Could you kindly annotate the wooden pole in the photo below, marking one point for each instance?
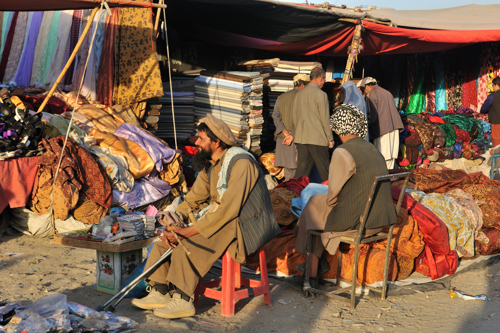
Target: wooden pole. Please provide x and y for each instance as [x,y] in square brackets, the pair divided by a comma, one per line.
[353,52]
[158,18]
[70,60]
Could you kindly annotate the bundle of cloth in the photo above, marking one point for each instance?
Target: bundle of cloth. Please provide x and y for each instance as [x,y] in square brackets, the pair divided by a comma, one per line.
[479,199]
[442,135]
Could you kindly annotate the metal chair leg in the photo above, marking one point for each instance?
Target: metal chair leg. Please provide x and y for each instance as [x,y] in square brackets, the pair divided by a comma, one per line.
[307,284]
[339,265]
[386,264]
[354,276]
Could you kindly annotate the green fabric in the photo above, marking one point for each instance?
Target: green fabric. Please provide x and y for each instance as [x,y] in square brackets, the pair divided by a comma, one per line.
[417,99]
[480,127]
[5,30]
[49,48]
[449,133]
[461,121]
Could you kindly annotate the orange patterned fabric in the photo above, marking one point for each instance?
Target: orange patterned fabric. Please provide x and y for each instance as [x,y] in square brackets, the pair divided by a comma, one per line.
[139,162]
[490,195]
[137,74]
[80,175]
[87,211]
[441,181]
[406,246]
[267,160]
[281,200]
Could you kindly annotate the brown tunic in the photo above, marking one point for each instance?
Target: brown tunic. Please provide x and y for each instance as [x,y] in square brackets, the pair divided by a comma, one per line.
[218,231]
[316,211]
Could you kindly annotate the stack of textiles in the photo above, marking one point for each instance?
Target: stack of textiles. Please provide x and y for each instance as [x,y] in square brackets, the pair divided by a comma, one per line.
[183,112]
[234,97]
[296,66]
[262,66]
[441,136]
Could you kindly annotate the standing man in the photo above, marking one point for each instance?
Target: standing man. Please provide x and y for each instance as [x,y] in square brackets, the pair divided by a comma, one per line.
[311,119]
[389,121]
[491,106]
[286,153]
[239,219]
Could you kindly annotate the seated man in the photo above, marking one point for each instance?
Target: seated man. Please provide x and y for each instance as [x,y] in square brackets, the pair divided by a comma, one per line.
[239,218]
[353,166]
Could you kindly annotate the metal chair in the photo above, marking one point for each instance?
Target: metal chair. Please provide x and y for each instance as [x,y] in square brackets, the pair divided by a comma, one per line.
[493,165]
[360,239]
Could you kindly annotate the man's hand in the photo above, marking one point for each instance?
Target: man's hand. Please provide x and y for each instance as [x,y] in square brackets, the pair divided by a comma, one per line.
[288,140]
[168,238]
[331,144]
[171,218]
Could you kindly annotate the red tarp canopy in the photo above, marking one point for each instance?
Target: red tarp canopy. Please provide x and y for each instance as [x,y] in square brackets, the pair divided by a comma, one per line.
[377,39]
[42,5]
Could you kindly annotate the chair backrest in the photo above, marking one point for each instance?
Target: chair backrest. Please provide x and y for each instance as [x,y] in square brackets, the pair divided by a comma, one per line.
[373,193]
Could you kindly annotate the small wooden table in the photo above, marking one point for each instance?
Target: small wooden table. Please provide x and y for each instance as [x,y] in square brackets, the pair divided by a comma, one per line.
[115,262]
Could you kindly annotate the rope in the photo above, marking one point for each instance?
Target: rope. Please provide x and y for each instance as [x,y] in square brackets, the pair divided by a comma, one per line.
[169,74]
[51,209]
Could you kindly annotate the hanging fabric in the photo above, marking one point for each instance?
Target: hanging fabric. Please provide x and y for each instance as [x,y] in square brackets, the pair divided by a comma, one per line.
[137,74]
[17,46]
[48,49]
[417,98]
[105,78]
[22,77]
[430,85]
[441,103]
[76,25]
[8,46]
[60,49]
[43,35]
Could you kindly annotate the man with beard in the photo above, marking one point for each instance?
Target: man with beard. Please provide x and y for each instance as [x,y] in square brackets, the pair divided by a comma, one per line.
[234,213]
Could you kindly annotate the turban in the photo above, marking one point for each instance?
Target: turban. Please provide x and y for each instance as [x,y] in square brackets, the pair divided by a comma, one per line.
[220,129]
[303,77]
[347,120]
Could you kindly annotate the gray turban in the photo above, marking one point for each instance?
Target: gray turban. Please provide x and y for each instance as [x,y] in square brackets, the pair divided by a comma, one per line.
[348,119]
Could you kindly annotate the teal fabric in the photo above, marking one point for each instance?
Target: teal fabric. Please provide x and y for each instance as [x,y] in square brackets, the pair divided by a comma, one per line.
[49,48]
[7,19]
[441,103]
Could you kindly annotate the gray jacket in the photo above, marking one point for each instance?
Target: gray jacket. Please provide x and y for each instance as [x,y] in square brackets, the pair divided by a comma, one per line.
[311,118]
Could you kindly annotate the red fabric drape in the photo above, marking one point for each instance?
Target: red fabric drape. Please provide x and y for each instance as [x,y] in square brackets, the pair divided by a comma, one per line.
[377,39]
[438,257]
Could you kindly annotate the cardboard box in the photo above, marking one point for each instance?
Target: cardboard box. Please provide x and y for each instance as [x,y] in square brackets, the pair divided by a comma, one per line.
[113,268]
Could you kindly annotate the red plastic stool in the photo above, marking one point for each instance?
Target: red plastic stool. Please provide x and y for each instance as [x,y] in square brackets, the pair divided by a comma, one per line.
[231,284]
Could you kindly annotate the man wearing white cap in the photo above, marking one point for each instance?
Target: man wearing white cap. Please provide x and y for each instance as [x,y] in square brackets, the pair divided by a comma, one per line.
[386,136]
[239,218]
[286,153]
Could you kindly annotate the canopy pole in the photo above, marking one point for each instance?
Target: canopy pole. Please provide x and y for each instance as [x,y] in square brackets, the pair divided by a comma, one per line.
[353,52]
[70,60]
[170,77]
[158,12]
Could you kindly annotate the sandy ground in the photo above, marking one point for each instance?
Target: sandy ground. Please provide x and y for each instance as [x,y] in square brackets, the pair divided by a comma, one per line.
[71,271]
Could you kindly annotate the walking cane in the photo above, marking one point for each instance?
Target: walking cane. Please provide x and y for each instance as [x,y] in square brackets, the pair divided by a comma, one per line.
[124,292]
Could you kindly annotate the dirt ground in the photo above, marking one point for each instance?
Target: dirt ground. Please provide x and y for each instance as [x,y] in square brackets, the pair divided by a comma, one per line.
[71,271]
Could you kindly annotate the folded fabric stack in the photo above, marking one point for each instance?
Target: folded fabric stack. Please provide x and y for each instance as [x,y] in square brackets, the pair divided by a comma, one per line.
[296,66]
[262,66]
[234,97]
[183,99]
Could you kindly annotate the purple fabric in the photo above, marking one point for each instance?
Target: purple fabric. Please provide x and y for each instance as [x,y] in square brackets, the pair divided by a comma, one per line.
[23,74]
[158,152]
[145,191]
